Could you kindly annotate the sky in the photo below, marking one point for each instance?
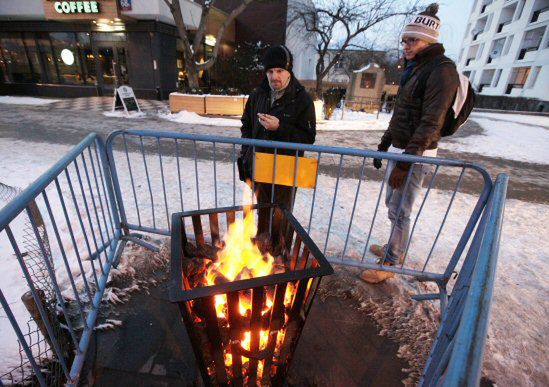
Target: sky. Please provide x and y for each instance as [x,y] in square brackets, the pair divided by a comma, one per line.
[453,15]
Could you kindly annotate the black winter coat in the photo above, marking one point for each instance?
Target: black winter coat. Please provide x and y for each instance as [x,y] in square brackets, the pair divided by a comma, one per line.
[417,119]
[295,110]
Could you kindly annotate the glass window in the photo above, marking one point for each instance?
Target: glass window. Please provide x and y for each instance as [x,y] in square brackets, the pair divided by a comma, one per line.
[181,74]
[508,45]
[33,57]
[533,76]
[46,55]
[65,53]
[18,67]
[496,78]
[106,61]
[519,76]
[86,57]
[368,81]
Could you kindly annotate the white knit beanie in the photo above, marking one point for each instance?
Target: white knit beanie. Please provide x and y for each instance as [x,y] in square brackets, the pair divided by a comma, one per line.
[424,26]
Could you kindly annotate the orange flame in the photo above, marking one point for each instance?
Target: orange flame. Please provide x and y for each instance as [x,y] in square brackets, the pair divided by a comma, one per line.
[240,257]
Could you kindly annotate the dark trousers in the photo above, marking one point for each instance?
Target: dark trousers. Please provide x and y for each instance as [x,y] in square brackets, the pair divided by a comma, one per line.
[283,197]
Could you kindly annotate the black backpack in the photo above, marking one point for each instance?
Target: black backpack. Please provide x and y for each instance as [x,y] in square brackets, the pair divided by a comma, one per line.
[451,123]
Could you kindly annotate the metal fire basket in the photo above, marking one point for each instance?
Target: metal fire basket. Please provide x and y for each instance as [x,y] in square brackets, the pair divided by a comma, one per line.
[217,341]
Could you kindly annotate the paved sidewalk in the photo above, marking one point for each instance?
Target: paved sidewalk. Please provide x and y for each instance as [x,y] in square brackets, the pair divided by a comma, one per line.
[101,104]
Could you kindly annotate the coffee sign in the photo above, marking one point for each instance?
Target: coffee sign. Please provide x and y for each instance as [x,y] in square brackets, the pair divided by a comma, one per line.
[81,10]
[76,6]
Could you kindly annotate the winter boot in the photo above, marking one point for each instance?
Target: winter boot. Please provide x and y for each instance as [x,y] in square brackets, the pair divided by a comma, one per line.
[379,251]
[376,276]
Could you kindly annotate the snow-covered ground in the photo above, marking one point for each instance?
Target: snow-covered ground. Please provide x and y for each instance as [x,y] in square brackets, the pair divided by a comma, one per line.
[518,328]
[26,100]
[510,136]
[351,120]
[186,117]
[123,114]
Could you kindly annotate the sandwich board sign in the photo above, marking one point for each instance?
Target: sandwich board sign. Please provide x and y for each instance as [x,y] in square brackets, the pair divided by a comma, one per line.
[124,98]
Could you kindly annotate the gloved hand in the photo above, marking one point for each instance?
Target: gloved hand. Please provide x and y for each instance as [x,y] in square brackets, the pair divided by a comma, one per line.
[377,163]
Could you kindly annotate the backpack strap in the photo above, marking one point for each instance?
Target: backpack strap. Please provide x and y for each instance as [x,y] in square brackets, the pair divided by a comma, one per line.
[425,72]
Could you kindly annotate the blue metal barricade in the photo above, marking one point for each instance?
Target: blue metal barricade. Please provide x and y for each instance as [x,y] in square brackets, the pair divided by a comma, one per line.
[457,353]
[97,197]
[74,204]
[339,211]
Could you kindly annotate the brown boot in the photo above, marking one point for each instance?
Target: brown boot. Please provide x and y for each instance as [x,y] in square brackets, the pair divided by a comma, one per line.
[376,276]
[379,251]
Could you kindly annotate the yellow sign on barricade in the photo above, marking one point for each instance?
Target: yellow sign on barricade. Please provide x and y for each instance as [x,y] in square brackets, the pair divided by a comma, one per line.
[285,168]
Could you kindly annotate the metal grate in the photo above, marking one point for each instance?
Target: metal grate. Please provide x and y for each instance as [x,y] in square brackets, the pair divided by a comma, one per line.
[273,332]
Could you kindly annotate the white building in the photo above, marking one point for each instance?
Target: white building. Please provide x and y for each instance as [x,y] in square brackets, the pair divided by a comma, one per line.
[506,48]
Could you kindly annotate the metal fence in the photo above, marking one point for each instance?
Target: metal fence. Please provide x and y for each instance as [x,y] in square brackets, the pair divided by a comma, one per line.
[73,201]
[158,173]
[457,353]
[98,198]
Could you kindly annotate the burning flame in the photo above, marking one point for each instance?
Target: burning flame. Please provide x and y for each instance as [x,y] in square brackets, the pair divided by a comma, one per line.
[240,258]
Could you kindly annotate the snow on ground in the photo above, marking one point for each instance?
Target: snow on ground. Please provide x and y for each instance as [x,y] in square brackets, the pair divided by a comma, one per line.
[123,114]
[186,117]
[518,323]
[26,100]
[354,121]
[518,118]
[512,139]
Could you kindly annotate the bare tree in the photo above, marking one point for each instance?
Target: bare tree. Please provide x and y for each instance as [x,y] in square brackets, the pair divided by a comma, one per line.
[191,49]
[338,24]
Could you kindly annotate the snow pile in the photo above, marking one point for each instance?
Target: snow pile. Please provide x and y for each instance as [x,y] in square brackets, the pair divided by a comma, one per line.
[353,120]
[186,117]
[26,100]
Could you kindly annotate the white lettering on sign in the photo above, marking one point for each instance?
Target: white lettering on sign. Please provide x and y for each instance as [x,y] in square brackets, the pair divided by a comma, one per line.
[76,6]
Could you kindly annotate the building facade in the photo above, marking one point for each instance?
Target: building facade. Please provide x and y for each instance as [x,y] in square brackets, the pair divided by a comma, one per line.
[269,22]
[86,48]
[505,52]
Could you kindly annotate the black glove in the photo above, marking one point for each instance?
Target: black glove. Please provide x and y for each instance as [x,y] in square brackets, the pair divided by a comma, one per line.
[377,163]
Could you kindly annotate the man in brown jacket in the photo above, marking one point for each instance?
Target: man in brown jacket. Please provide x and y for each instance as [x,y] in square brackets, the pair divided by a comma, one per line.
[427,91]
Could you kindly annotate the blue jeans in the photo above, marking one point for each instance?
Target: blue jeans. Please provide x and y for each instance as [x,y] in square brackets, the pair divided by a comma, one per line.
[401,225]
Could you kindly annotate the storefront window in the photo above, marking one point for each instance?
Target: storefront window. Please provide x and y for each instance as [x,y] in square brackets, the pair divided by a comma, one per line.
[106,61]
[15,57]
[33,55]
[65,53]
[181,74]
[123,63]
[46,54]
[87,58]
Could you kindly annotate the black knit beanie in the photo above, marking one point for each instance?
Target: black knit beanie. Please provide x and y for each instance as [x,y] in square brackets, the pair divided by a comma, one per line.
[277,57]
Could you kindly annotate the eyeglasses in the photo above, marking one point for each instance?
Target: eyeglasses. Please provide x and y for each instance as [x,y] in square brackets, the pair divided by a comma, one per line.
[409,41]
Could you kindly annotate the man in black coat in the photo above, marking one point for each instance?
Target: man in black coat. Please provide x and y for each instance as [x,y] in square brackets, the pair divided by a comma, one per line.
[280,109]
